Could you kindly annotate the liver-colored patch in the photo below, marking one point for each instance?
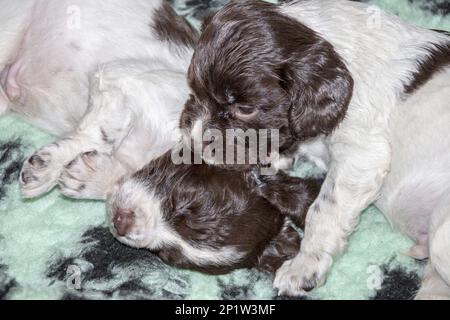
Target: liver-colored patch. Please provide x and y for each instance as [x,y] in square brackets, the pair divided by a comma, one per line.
[171,27]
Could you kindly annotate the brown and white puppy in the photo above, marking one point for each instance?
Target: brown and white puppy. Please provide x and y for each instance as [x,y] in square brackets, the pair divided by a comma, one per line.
[211,219]
[365,95]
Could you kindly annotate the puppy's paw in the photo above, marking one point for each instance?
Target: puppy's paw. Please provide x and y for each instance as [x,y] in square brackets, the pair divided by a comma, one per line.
[88,176]
[40,172]
[302,274]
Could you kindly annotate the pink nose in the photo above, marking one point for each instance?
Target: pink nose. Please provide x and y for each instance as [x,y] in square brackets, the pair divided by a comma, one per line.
[123,221]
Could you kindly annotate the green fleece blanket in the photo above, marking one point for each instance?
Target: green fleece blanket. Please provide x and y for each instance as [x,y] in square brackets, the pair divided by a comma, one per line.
[55,248]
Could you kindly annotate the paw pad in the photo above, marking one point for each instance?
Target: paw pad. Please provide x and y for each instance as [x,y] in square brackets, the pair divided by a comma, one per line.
[36,161]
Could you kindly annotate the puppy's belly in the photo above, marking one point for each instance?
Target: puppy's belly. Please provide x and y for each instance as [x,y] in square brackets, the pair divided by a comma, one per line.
[420,168]
[46,82]
[62,44]
[13,16]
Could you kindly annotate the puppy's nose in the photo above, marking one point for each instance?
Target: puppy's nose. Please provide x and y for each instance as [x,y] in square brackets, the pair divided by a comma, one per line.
[123,221]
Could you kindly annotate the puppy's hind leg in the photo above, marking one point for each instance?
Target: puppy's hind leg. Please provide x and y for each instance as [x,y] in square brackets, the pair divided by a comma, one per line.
[433,286]
[92,174]
[139,104]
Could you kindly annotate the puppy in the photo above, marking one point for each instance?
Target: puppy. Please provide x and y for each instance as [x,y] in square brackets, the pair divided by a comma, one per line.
[103,75]
[211,219]
[360,92]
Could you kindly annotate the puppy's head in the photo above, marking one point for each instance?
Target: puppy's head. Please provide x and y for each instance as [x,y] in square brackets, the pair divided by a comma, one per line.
[256,68]
[201,218]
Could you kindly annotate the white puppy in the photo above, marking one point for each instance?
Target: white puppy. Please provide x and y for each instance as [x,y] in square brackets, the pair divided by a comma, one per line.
[106,76]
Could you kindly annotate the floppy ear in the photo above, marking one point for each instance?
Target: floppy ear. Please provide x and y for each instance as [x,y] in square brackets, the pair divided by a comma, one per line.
[313,75]
[289,195]
[284,247]
[320,88]
[206,20]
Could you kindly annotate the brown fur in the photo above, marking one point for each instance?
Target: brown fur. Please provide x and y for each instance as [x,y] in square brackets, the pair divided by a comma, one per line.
[171,27]
[253,59]
[437,60]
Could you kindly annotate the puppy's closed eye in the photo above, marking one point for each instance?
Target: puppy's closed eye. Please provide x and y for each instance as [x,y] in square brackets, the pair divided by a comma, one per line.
[240,111]
[245,113]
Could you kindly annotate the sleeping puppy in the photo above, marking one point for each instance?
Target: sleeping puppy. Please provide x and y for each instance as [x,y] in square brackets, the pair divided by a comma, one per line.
[211,219]
[104,75]
[360,92]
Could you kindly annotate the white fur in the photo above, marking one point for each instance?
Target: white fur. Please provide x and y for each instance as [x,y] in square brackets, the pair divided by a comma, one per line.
[433,287]
[387,149]
[137,106]
[84,69]
[316,151]
[58,44]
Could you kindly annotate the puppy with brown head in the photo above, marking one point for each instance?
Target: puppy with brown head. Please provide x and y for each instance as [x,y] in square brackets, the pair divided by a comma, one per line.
[256,68]
[367,100]
[210,219]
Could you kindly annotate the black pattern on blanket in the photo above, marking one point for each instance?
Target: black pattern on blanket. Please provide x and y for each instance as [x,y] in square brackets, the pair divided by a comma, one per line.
[73,255]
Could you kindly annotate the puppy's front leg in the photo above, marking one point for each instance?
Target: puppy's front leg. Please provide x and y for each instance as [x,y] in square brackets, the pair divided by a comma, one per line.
[102,130]
[91,176]
[41,171]
[355,178]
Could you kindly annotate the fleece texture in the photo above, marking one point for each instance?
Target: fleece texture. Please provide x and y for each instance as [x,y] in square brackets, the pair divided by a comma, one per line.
[55,248]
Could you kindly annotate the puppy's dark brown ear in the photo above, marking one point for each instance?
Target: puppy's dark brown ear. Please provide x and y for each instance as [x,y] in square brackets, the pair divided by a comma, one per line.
[289,195]
[316,79]
[206,20]
[284,247]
